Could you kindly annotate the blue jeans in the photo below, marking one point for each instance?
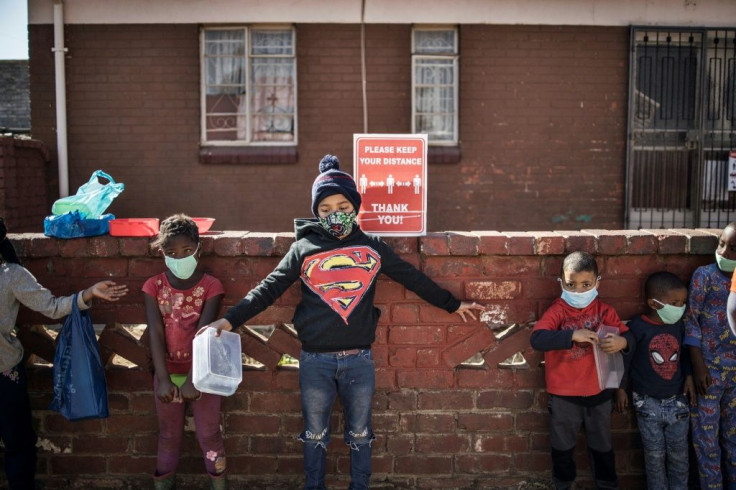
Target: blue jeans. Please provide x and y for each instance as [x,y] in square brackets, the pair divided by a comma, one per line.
[352,378]
[663,425]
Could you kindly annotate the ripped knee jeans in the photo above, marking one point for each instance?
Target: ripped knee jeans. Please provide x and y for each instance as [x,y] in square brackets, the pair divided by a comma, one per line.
[322,378]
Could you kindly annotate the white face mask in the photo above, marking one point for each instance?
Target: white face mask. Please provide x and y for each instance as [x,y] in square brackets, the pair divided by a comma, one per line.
[670,314]
[579,300]
[182,268]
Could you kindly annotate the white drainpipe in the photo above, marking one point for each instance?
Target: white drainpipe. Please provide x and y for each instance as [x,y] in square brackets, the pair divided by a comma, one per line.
[59,52]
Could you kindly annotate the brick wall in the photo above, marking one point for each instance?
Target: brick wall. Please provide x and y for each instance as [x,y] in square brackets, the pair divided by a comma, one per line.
[23,184]
[438,425]
[15,104]
[542,122]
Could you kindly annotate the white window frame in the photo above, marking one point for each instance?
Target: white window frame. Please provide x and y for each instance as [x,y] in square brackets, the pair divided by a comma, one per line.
[248,56]
[455,93]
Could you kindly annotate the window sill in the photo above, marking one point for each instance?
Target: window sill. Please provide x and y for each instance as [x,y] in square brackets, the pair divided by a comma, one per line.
[247,155]
[443,154]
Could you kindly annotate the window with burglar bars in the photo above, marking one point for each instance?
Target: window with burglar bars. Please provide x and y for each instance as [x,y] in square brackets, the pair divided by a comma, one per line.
[682,123]
[435,84]
[248,86]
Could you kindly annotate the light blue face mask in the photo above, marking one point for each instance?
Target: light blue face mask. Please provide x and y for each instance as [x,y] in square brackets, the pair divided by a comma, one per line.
[578,300]
[182,268]
[726,265]
[670,314]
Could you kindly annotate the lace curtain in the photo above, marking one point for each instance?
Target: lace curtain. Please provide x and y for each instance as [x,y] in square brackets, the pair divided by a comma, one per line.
[267,95]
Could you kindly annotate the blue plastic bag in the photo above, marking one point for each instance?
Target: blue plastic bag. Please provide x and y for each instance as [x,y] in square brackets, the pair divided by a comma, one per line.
[80,387]
[92,198]
[73,225]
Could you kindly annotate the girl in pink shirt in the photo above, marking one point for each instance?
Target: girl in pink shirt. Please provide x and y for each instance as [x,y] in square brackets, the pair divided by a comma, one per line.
[178,302]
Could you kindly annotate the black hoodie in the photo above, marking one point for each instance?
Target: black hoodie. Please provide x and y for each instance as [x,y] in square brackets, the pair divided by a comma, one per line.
[336,311]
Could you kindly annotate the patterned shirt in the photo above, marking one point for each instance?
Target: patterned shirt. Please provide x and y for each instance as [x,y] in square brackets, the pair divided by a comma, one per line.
[706,325]
[180,312]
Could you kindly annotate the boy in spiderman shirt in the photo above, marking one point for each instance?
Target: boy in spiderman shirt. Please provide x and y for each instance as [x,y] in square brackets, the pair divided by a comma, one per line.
[336,319]
[566,333]
[661,382]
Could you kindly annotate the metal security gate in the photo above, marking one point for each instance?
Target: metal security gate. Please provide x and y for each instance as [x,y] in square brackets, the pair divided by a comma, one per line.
[682,126]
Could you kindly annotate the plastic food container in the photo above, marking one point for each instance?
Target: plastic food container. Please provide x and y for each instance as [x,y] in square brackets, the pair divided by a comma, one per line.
[217,365]
[134,227]
[204,224]
[610,367]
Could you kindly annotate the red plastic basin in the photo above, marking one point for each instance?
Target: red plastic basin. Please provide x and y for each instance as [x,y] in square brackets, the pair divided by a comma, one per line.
[204,224]
[134,227]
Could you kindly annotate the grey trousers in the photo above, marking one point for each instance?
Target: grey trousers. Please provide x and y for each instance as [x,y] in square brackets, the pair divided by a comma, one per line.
[566,418]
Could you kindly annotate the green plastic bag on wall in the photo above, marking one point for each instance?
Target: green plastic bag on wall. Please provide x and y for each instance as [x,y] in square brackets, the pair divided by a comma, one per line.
[92,198]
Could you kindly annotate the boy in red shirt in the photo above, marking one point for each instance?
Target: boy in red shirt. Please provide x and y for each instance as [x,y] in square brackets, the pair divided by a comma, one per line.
[566,333]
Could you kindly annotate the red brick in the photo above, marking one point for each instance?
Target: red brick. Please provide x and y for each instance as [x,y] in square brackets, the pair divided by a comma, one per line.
[251,423]
[103,246]
[492,243]
[386,379]
[426,378]
[42,246]
[434,244]
[699,242]
[482,463]
[135,247]
[416,335]
[501,443]
[670,242]
[423,465]
[492,290]
[405,357]
[283,341]
[484,378]
[532,421]
[465,348]
[443,443]
[511,266]
[641,242]
[229,244]
[520,243]
[609,242]
[117,340]
[403,245]
[519,400]
[548,243]
[439,400]
[76,247]
[578,241]
[255,244]
[101,444]
[428,358]
[463,243]
[444,267]
[404,313]
[70,464]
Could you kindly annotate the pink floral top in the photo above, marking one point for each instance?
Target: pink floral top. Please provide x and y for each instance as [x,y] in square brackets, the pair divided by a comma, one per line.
[180,312]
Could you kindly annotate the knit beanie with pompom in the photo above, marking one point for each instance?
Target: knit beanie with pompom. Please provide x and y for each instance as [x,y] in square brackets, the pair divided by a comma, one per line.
[331,180]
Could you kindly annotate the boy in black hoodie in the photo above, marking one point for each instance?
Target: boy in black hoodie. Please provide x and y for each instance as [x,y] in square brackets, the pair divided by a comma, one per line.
[336,319]
[662,385]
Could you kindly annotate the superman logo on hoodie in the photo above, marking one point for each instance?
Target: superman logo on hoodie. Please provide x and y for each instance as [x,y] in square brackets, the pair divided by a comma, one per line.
[341,277]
